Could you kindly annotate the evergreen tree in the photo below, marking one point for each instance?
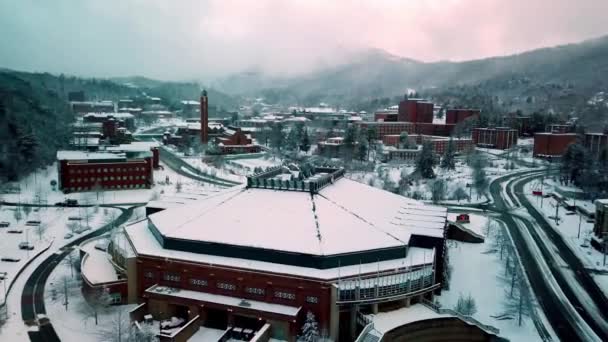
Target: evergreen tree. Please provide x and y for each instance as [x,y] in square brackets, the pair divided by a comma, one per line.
[575,162]
[447,161]
[362,148]
[293,140]
[438,189]
[305,142]
[404,140]
[310,329]
[426,161]
[404,182]
[466,305]
[277,136]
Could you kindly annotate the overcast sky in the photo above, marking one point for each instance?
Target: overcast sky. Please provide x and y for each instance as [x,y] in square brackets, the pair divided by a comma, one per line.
[190,39]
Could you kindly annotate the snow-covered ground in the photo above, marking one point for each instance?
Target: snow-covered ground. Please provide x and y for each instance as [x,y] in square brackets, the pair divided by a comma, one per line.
[208,169]
[246,166]
[38,184]
[77,322]
[476,270]
[54,227]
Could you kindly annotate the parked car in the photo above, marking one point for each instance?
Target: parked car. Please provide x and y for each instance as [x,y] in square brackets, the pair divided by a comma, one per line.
[26,245]
[68,236]
[4,224]
[10,259]
[15,231]
[32,223]
[74,218]
[67,203]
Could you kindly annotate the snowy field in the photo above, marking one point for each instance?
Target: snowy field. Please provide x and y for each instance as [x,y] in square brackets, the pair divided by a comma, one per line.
[36,188]
[477,271]
[246,166]
[55,224]
[207,169]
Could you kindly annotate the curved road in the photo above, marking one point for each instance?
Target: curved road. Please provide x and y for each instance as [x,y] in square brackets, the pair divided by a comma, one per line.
[556,301]
[32,297]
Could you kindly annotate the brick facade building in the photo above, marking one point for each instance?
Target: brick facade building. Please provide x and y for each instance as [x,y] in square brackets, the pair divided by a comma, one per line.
[246,258]
[596,143]
[396,128]
[83,171]
[438,143]
[416,110]
[454,116]
[552,145]
[501,138]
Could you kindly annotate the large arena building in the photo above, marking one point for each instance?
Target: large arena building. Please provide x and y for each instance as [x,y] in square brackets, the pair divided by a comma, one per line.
[258,259]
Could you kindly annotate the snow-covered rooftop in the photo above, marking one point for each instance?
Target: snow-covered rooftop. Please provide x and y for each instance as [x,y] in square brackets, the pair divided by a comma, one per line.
[82,155]
[106,115]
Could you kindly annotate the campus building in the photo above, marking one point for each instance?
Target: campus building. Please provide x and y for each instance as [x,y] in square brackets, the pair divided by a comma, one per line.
[438,143]
[83,107]
[259,258]
[396,128]
[596,143]
[455,116]
[552,145]
[416,110]
[501,138]
[89,171]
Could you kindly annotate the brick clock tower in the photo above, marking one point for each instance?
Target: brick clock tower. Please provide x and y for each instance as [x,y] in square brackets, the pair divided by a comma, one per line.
[204,118]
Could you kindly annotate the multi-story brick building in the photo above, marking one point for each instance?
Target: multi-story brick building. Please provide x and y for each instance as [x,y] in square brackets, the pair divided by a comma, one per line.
[84,171]
[596,143]
[500,137]
[396,128]
[552,145]
[387,115]
[415,110]
[126,120]
[438,143]
[233,140]
[266,255]
[454,116]
[83,107]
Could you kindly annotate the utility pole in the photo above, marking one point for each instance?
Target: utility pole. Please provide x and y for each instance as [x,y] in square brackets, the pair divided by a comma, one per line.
[580,219]
[556,212]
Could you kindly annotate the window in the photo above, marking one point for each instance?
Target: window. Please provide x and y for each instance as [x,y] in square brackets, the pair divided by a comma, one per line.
[98,170]
[285,295]
[149,274]
[255,290]
[198,282]
[171,277]
[312,299]
[105,169]
[226,286]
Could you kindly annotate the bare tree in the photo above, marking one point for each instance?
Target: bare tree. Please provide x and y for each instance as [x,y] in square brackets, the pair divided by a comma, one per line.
[17,214]
[27,210]
[40,230]
[118,330]
[95,303]
[72,261]
[518,299]
[466,305]
[72,227]
[63,288]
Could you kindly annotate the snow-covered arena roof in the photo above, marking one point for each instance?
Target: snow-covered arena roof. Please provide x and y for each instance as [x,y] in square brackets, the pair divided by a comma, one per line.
[345,221]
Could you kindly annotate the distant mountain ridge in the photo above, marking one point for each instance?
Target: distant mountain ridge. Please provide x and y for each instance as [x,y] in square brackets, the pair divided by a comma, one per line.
[376,73]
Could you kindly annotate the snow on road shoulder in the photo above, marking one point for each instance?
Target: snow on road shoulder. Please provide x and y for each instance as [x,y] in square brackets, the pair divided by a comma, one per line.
[476,270]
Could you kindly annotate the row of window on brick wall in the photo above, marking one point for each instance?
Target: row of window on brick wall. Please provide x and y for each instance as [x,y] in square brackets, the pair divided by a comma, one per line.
[89,188]
[105,170]
[226,286]
[106,178]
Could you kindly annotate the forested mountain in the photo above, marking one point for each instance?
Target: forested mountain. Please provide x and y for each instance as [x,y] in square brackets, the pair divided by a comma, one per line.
[559,79]
[35,116]
[34,123]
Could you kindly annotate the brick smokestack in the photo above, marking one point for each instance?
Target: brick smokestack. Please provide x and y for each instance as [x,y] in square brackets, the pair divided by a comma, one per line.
[204,118]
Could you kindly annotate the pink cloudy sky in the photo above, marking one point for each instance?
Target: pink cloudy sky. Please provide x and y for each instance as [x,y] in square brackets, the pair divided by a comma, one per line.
[181,39]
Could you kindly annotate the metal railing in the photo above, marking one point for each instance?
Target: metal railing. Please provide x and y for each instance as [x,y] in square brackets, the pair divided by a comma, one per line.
[385,286]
